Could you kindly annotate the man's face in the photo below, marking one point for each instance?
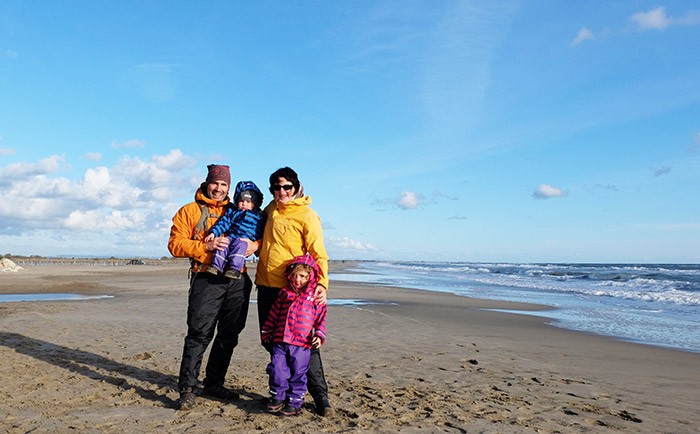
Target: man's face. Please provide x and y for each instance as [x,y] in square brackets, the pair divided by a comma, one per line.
[217,190]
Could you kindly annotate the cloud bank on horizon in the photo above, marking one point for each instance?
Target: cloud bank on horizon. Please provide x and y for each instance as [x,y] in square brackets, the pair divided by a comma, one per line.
[464,131]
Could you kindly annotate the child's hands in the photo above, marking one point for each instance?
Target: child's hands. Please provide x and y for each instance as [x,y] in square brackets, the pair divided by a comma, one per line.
[209,237]
[316,342]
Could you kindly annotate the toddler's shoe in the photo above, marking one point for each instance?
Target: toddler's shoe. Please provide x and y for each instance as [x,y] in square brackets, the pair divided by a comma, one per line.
[232,274]
[212,270]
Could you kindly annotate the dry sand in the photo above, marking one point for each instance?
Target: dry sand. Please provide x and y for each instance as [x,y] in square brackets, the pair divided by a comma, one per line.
[428,363]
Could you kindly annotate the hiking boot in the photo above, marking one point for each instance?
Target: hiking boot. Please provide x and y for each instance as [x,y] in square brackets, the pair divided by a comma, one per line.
[323,408]
[289,410]
[220,392]
[274,406]
[187,399]
[232,274]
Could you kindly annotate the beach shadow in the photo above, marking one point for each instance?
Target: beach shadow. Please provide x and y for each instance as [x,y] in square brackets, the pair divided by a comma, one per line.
[93,366]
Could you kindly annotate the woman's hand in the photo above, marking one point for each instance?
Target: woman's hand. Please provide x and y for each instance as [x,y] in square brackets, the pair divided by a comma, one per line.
[217,243]
[252,247]
[320,294]
[316,342]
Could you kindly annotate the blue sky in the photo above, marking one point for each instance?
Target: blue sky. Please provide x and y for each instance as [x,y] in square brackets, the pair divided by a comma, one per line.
[510,131]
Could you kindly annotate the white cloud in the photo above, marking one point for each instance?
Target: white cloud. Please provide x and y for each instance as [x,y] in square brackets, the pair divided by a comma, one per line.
[7,151]
[24,170]
[408,200]
[583,35]
[93,156]
[38,186]
[655,19]
[132,143]
[546,191]
[95,220]
[346,243]
[124,208]
[174,160]
[11,54]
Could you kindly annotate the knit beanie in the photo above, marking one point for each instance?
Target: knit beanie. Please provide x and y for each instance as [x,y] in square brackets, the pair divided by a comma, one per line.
[249,195]
[218,172]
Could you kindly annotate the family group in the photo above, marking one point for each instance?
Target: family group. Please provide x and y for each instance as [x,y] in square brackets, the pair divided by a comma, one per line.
[217,234]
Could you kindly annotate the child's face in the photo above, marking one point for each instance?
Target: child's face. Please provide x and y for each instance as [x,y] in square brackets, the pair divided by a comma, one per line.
[245,204]
[300,278]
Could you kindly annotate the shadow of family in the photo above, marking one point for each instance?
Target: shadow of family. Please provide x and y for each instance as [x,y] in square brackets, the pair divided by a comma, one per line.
[102,369]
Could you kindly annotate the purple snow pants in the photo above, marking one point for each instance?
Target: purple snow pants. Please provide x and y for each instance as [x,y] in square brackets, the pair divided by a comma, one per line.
[234,255]
[287,371]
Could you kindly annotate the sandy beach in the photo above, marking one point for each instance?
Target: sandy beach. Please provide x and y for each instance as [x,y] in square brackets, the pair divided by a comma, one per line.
[413,362]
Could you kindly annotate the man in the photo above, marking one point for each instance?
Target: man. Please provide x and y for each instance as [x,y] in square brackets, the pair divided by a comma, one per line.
[215,303]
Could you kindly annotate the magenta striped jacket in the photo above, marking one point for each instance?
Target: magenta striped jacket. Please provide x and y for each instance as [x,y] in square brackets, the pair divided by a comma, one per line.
[295,319]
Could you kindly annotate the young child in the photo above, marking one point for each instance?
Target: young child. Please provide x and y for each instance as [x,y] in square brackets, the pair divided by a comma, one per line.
[295,324]
[244,220]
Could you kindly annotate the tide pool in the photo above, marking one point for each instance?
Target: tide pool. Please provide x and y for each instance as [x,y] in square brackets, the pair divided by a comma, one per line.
[12,298]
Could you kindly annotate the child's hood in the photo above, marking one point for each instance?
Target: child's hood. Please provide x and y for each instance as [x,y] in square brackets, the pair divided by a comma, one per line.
[305,260]
[248,186]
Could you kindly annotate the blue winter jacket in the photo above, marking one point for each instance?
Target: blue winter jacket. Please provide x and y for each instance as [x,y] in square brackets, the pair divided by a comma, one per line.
[242,224]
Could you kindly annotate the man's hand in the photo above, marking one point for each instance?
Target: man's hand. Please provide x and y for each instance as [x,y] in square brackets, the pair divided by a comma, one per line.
[217,243]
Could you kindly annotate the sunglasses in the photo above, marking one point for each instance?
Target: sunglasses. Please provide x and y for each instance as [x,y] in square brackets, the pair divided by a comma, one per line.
[278,187]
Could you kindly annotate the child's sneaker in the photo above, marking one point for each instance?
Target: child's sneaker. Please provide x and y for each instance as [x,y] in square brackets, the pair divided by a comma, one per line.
[274,406]
[291,411]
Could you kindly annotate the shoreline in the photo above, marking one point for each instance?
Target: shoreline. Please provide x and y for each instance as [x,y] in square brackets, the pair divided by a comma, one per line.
[625,305]
[430,362]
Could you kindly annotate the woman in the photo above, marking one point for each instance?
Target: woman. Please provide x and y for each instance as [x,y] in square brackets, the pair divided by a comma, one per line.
[292,229]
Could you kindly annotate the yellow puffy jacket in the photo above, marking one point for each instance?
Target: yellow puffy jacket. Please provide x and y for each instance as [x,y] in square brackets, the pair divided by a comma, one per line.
[185,241]
[292,229]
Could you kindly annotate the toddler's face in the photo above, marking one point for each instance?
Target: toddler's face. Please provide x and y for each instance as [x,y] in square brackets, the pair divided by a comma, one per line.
[245,204]
[300,278]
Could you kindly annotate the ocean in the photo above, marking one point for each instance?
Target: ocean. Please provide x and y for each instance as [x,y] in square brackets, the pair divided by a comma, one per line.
[653,304]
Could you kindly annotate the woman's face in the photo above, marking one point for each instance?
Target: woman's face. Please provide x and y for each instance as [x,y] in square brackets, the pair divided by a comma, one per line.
[283,190]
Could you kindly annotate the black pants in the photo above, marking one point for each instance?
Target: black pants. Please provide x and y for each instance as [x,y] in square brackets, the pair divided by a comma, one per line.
[216,304]
[316,380]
